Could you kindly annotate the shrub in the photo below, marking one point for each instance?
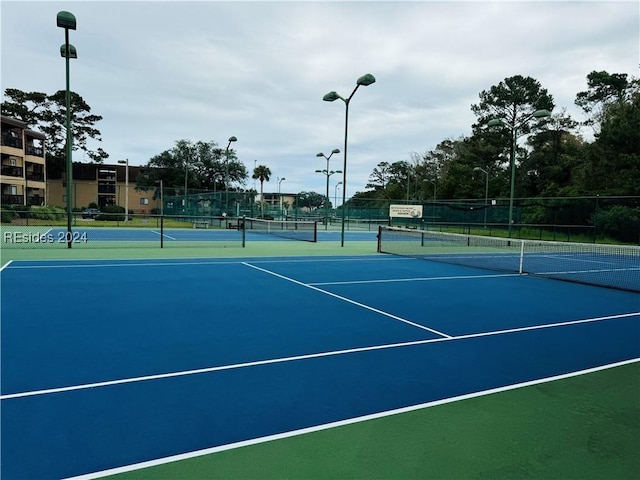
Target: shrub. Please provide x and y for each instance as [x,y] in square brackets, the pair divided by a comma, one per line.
[113,213]
[47,213]
[619,222]
[7,216]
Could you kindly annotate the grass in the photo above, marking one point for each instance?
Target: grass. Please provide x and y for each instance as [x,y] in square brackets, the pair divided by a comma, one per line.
[584,427]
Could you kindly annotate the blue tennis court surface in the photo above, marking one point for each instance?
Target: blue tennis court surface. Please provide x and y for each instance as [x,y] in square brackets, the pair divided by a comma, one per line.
[108,364]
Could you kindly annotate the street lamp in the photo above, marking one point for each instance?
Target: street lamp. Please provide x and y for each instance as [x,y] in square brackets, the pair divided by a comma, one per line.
[435,188]
[328,173]
[226,174]
[486,191]
[335,193]
[67,21]
[365,81]
[126,189]
[280,180]
[498,122]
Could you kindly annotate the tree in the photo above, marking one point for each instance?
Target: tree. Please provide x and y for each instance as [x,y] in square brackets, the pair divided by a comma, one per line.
[262,173]
[311,200]
[603,90]
[556,161]
[514,101]
[199,165]
[380,177]
[615,155]
[47,113]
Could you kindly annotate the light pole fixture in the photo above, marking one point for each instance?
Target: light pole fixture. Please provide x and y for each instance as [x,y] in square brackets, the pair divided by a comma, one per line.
[435,189]
[332,96]
[126,189]
[67,21]
[280,180]
[335,193]
[486,191]
[226,173]
[328,173]
[498,122]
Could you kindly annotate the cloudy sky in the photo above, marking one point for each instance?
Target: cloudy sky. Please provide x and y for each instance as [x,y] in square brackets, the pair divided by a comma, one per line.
[160,71]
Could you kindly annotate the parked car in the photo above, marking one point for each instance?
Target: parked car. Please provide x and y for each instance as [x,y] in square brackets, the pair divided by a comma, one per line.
[90,213]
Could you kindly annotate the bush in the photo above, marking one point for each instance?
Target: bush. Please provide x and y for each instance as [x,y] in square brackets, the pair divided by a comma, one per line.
[7,216]
[620,223]
[112,213]
[47,213]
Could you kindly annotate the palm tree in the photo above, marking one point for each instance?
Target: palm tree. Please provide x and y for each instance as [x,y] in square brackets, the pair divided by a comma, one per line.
[262,173]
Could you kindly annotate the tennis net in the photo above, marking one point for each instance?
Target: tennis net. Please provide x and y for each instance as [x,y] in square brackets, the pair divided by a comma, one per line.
[292,229]
[614,266]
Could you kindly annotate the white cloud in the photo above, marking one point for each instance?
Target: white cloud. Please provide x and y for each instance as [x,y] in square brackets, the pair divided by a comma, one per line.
[161,71]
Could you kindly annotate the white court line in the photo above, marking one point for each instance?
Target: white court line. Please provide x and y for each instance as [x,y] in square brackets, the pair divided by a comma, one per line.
[578,272]
[59,263]
[417,279]
[6,265]
[341,423]
[333,353]
[163,234]
[167,263]
[348,300]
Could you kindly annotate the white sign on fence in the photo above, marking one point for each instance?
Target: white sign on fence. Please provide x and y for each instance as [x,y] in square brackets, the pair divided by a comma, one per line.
[405,211]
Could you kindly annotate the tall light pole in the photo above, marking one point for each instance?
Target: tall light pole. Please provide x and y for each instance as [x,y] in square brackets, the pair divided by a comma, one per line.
[126,188]
[365,80]
[514,145]
[255,163]
[67,21]
[435,189]
[280,180]
[486,191]
[335,193]
[328,173]
[226,174]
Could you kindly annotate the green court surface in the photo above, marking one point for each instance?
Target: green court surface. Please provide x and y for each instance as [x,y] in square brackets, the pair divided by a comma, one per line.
[257,249]
[584,427]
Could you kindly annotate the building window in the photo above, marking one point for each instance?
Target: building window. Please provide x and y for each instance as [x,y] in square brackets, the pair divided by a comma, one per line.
[144,201]
[13,189]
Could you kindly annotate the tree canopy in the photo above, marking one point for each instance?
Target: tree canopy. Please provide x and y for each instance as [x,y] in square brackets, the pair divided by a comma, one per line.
[198,165]
[47,114]
[552,157]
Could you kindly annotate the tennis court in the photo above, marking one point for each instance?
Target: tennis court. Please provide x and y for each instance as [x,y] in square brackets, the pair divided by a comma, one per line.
[154,235]
[109,366]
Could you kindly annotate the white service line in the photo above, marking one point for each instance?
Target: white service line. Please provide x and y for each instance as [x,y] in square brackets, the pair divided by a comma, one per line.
[348,300]
[341,423]
[332,353]
[417,279]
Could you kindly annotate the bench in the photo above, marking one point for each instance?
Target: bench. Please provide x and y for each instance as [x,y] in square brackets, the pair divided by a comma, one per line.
[201,224]
[234,226]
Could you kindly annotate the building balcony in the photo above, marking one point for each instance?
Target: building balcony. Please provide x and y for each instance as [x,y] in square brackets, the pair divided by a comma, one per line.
[106,189]
[35,200]
[11,141]
[34,151]
[35,176]
[11,171]
[12,199]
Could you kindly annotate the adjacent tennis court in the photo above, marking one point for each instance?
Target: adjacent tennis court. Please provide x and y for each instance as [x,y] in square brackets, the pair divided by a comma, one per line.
[109,366]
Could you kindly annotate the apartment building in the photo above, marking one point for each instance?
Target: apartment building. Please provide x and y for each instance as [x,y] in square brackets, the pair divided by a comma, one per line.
[102,184]
[23,174]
